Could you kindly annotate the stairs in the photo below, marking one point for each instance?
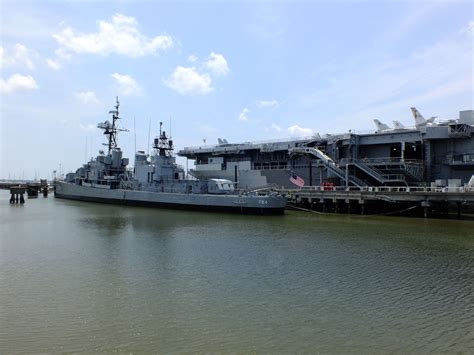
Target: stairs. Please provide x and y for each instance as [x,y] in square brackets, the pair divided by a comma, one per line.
[384,171]
[414,170]
[378,175]
[329,164]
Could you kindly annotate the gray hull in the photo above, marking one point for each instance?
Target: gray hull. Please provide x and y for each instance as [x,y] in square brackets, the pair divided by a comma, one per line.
[244,204]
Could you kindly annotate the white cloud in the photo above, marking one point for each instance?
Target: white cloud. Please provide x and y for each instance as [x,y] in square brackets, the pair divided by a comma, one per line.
[300,131]
[192,58]
[194,81]
[469,29]
[87,97]
[62,53]
[4,60]
[188,81]
[20,56]
[120,36]
[276,127]
[17,82]
[53,64]
[127,85]
[217,64]
[243,116]
[267,103]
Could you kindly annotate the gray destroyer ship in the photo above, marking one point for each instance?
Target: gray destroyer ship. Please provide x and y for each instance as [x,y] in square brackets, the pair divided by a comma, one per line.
[157,181]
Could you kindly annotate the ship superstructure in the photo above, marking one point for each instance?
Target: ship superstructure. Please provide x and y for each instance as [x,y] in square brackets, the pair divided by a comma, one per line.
[106,170]
[157,181]
[402,156]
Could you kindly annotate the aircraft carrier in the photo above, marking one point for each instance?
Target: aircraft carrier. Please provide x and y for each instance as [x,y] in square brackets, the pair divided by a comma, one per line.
[430,153]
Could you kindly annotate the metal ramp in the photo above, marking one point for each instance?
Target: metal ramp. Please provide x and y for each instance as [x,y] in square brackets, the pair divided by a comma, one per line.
[328,163]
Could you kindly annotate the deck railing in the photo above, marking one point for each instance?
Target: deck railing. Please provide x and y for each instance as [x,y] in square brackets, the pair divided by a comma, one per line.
[403,189]
[382,160]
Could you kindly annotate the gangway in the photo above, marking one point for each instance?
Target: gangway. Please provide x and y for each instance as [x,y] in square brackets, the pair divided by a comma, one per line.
[329,164]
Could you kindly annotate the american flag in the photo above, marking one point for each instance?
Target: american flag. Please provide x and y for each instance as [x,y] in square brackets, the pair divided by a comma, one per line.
[295,179]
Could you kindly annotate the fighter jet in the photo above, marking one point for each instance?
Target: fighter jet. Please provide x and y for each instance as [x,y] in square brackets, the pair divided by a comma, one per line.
[381,127]
[398,125]
[420,121]
[222,141]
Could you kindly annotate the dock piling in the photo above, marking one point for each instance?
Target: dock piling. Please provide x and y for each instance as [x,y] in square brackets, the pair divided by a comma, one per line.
[424,201]
[17,193]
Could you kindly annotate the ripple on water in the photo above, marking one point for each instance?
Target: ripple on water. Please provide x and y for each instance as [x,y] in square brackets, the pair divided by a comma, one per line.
[109,278]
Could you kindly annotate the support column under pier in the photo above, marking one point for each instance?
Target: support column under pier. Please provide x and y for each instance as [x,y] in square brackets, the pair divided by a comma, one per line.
[425,205]
[362,206]
[348,206]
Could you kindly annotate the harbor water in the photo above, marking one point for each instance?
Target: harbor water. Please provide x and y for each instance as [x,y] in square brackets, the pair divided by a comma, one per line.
[87,277]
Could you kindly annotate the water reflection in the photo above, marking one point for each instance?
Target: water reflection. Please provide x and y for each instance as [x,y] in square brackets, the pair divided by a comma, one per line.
[109,225]
[82,277]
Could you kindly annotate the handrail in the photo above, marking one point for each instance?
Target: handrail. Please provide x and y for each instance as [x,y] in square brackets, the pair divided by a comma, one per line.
[377,174]
[329,163]
[382,160]
[269,141]
[375,189]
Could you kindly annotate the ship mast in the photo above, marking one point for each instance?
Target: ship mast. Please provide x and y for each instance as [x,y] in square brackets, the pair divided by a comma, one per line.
[163,144]
[110,129]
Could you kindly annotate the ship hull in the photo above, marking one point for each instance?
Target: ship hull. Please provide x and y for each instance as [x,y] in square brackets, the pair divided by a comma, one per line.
[257,205]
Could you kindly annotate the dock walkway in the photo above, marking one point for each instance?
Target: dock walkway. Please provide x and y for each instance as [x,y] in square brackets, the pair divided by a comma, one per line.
[432,201]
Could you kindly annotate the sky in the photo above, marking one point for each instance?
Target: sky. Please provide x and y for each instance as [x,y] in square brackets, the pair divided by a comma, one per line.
[238,70]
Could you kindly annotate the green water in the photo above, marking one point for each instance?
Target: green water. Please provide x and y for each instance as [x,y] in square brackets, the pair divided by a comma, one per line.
[83,277]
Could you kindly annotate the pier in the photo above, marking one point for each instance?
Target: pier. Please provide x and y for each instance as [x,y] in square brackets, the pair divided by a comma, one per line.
[32,189]
[425,201]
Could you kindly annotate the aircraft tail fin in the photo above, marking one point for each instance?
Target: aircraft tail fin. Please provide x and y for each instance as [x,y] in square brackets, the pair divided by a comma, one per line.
[398,125]
[380,126]
[419,119]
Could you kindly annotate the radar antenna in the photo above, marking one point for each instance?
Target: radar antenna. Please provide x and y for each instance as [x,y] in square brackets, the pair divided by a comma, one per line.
[163,144]
[110,129]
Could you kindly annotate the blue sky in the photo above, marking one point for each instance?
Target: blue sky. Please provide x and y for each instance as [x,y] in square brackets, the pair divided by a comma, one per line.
[244,71]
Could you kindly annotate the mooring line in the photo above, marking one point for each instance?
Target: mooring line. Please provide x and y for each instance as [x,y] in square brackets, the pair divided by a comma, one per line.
[303,209]
[395,212]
